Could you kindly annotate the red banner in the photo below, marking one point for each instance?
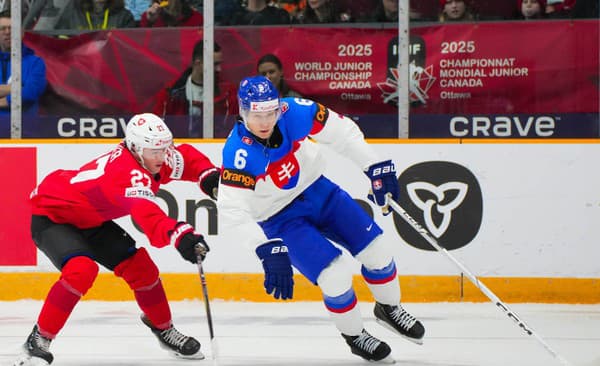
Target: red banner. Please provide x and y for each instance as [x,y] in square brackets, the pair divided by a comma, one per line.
[19,166]
[520,67]
[484,68]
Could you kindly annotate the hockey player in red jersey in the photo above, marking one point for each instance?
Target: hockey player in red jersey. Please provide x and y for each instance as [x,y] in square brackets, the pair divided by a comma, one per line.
[72,223]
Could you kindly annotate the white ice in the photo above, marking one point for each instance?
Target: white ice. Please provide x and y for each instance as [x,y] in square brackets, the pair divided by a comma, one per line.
[300,333]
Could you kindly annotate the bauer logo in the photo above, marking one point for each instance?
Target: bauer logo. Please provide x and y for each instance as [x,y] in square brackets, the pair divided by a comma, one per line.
[445,198]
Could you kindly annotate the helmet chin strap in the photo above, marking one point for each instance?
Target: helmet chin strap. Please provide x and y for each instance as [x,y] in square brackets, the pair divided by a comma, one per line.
[138,156]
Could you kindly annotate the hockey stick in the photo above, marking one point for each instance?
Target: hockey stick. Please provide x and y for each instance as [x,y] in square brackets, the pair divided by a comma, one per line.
[502,306]
[211,332]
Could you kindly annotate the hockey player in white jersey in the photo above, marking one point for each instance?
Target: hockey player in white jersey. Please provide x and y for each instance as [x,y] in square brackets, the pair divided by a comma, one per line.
[274,193]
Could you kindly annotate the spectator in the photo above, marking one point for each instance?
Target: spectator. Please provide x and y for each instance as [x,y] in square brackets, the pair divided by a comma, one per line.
[270,66]
[385,11]
[185,96]
[559,9]
[258,12]
[137,8]
[293,7]
[531,9]
[455,11]
[323,11]
[586,9]
[33,74]
[96,14]
[171,13]
[224,9]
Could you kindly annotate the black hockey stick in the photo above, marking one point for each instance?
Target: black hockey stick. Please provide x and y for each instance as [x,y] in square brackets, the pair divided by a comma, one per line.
[501,305]
[211,332]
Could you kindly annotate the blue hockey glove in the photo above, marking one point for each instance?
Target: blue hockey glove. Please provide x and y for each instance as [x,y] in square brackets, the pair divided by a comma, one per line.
[278,269]
[383,182]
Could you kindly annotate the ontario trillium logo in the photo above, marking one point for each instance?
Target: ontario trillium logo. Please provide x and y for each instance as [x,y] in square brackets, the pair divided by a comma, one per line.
[437,203]
[445,198]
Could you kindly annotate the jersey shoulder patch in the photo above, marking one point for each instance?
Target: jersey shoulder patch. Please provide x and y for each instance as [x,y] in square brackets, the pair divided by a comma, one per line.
[319,119]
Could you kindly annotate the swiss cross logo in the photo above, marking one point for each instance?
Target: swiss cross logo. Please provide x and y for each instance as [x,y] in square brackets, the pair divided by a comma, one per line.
[377,185]
[247,140]
[141,122]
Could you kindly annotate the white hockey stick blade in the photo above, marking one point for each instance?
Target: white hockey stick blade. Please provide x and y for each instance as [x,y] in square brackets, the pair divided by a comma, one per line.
[215,351]
[501,305]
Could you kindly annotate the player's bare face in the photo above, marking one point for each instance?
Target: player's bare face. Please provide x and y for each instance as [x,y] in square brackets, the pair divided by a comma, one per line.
[154,159]
[261,124]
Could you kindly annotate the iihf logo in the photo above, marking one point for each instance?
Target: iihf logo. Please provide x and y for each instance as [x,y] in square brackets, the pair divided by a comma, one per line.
[421,77]
[445,198]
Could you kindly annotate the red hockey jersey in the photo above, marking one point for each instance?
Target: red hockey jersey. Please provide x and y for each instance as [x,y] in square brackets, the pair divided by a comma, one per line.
[115,185]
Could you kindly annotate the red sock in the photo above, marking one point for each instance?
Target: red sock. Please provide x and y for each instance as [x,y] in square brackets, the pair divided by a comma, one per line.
[77,277]
[56,310]
[141,274]
[153,302]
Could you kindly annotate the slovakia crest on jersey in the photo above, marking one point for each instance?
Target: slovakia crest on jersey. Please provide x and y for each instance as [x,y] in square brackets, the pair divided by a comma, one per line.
[247,140]
[285,172]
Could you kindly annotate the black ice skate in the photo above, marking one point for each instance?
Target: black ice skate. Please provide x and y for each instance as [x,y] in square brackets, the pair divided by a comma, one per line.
[399,321]
[369,347]
[177,344]
[36,350]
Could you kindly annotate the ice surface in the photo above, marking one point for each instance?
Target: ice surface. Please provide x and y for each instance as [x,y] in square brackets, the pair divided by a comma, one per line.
[300,333]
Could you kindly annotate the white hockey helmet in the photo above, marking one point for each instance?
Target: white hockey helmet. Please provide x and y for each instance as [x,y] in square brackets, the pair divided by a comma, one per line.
[147,131]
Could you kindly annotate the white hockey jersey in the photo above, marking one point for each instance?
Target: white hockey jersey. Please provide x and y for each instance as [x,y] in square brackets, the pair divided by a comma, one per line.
[257,181]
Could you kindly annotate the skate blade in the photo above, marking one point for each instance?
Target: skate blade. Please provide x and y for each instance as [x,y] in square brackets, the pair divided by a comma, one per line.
[418,341]
[196,356]
[27,360]
[388,360]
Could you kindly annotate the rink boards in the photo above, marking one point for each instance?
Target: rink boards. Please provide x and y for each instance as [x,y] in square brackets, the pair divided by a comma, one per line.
[523,216]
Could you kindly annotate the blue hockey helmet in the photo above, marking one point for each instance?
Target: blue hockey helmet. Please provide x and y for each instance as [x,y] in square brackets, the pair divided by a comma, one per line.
[257,94]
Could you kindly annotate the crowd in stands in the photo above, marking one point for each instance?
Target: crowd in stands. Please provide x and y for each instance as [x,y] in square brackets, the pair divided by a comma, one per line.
[184,95]
[107,14]
[33,75]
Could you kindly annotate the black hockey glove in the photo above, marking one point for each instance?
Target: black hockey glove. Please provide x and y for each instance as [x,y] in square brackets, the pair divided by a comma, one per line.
[190,244]
[279,278]
[383,182]
[209,182]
